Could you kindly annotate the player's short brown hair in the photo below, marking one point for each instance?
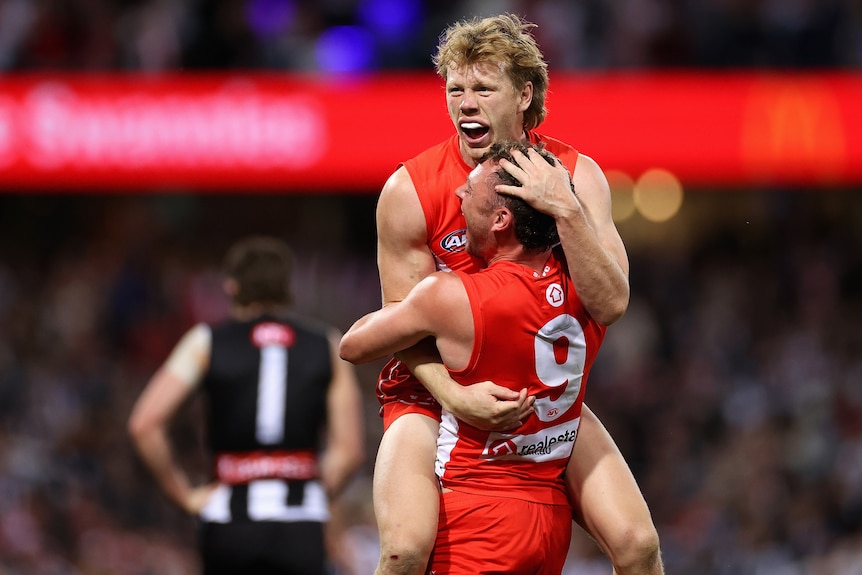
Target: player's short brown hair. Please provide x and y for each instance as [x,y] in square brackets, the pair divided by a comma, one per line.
[261,267]
[533,229]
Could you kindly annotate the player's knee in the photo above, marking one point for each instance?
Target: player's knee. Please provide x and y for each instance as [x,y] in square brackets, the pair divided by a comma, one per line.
[405,552]
[394,561]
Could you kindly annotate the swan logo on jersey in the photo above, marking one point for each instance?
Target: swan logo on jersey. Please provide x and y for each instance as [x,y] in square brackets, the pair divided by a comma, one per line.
[455,241]
[554,295]
[271,333]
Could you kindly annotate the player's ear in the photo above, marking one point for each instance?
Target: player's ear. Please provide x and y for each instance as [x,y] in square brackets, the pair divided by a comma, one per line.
[526,97]
[503,219]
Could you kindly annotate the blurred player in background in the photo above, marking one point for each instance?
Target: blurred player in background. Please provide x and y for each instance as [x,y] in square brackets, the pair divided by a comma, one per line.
[285,423]
[496,82]
[518,322]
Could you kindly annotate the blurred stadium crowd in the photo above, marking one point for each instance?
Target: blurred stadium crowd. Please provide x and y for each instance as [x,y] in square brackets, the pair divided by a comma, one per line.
[731,385]
[347,35]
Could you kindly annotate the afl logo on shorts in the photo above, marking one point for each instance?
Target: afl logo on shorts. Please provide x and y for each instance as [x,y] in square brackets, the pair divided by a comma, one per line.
[455,241]
[271,333]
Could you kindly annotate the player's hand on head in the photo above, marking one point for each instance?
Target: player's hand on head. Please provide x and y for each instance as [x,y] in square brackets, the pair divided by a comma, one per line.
[491,407]
[545,187]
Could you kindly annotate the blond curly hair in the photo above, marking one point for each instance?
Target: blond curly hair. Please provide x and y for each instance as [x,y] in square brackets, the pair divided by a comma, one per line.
[505,39]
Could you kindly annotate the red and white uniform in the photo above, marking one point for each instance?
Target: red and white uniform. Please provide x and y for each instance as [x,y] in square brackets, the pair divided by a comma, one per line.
[531,331]
[437,173]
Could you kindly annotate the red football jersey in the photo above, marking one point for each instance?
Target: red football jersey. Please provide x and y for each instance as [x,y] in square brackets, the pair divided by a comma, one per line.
[531,331]
[437,173]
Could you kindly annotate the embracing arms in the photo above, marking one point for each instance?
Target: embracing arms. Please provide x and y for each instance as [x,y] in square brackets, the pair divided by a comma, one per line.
[403,259]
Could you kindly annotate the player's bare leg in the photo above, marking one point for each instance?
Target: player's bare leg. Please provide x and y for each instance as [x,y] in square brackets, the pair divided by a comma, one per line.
[608,502]
[406,495]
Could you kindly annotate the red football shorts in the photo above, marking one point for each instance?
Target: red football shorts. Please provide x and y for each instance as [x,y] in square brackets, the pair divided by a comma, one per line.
[399,393]
[491,534]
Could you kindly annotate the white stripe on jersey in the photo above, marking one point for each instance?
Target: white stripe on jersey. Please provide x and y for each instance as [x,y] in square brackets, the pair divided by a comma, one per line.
[267,501]
[549,444]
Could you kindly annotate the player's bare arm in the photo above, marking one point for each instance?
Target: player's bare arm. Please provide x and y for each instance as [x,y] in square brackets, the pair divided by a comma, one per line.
[402,325]
[484,405]
[165,393]
[403,259]
[345,448]
[597,258]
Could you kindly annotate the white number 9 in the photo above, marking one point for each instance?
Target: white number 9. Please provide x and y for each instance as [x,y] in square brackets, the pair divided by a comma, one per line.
[553,373]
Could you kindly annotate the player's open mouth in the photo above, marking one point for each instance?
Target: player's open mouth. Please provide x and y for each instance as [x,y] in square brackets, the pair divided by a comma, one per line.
[473,131]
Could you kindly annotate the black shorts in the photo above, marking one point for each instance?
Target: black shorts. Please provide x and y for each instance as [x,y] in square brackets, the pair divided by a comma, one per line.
[263,548]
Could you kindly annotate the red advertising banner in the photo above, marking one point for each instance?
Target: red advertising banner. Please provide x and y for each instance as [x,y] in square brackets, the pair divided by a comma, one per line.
[293,133]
